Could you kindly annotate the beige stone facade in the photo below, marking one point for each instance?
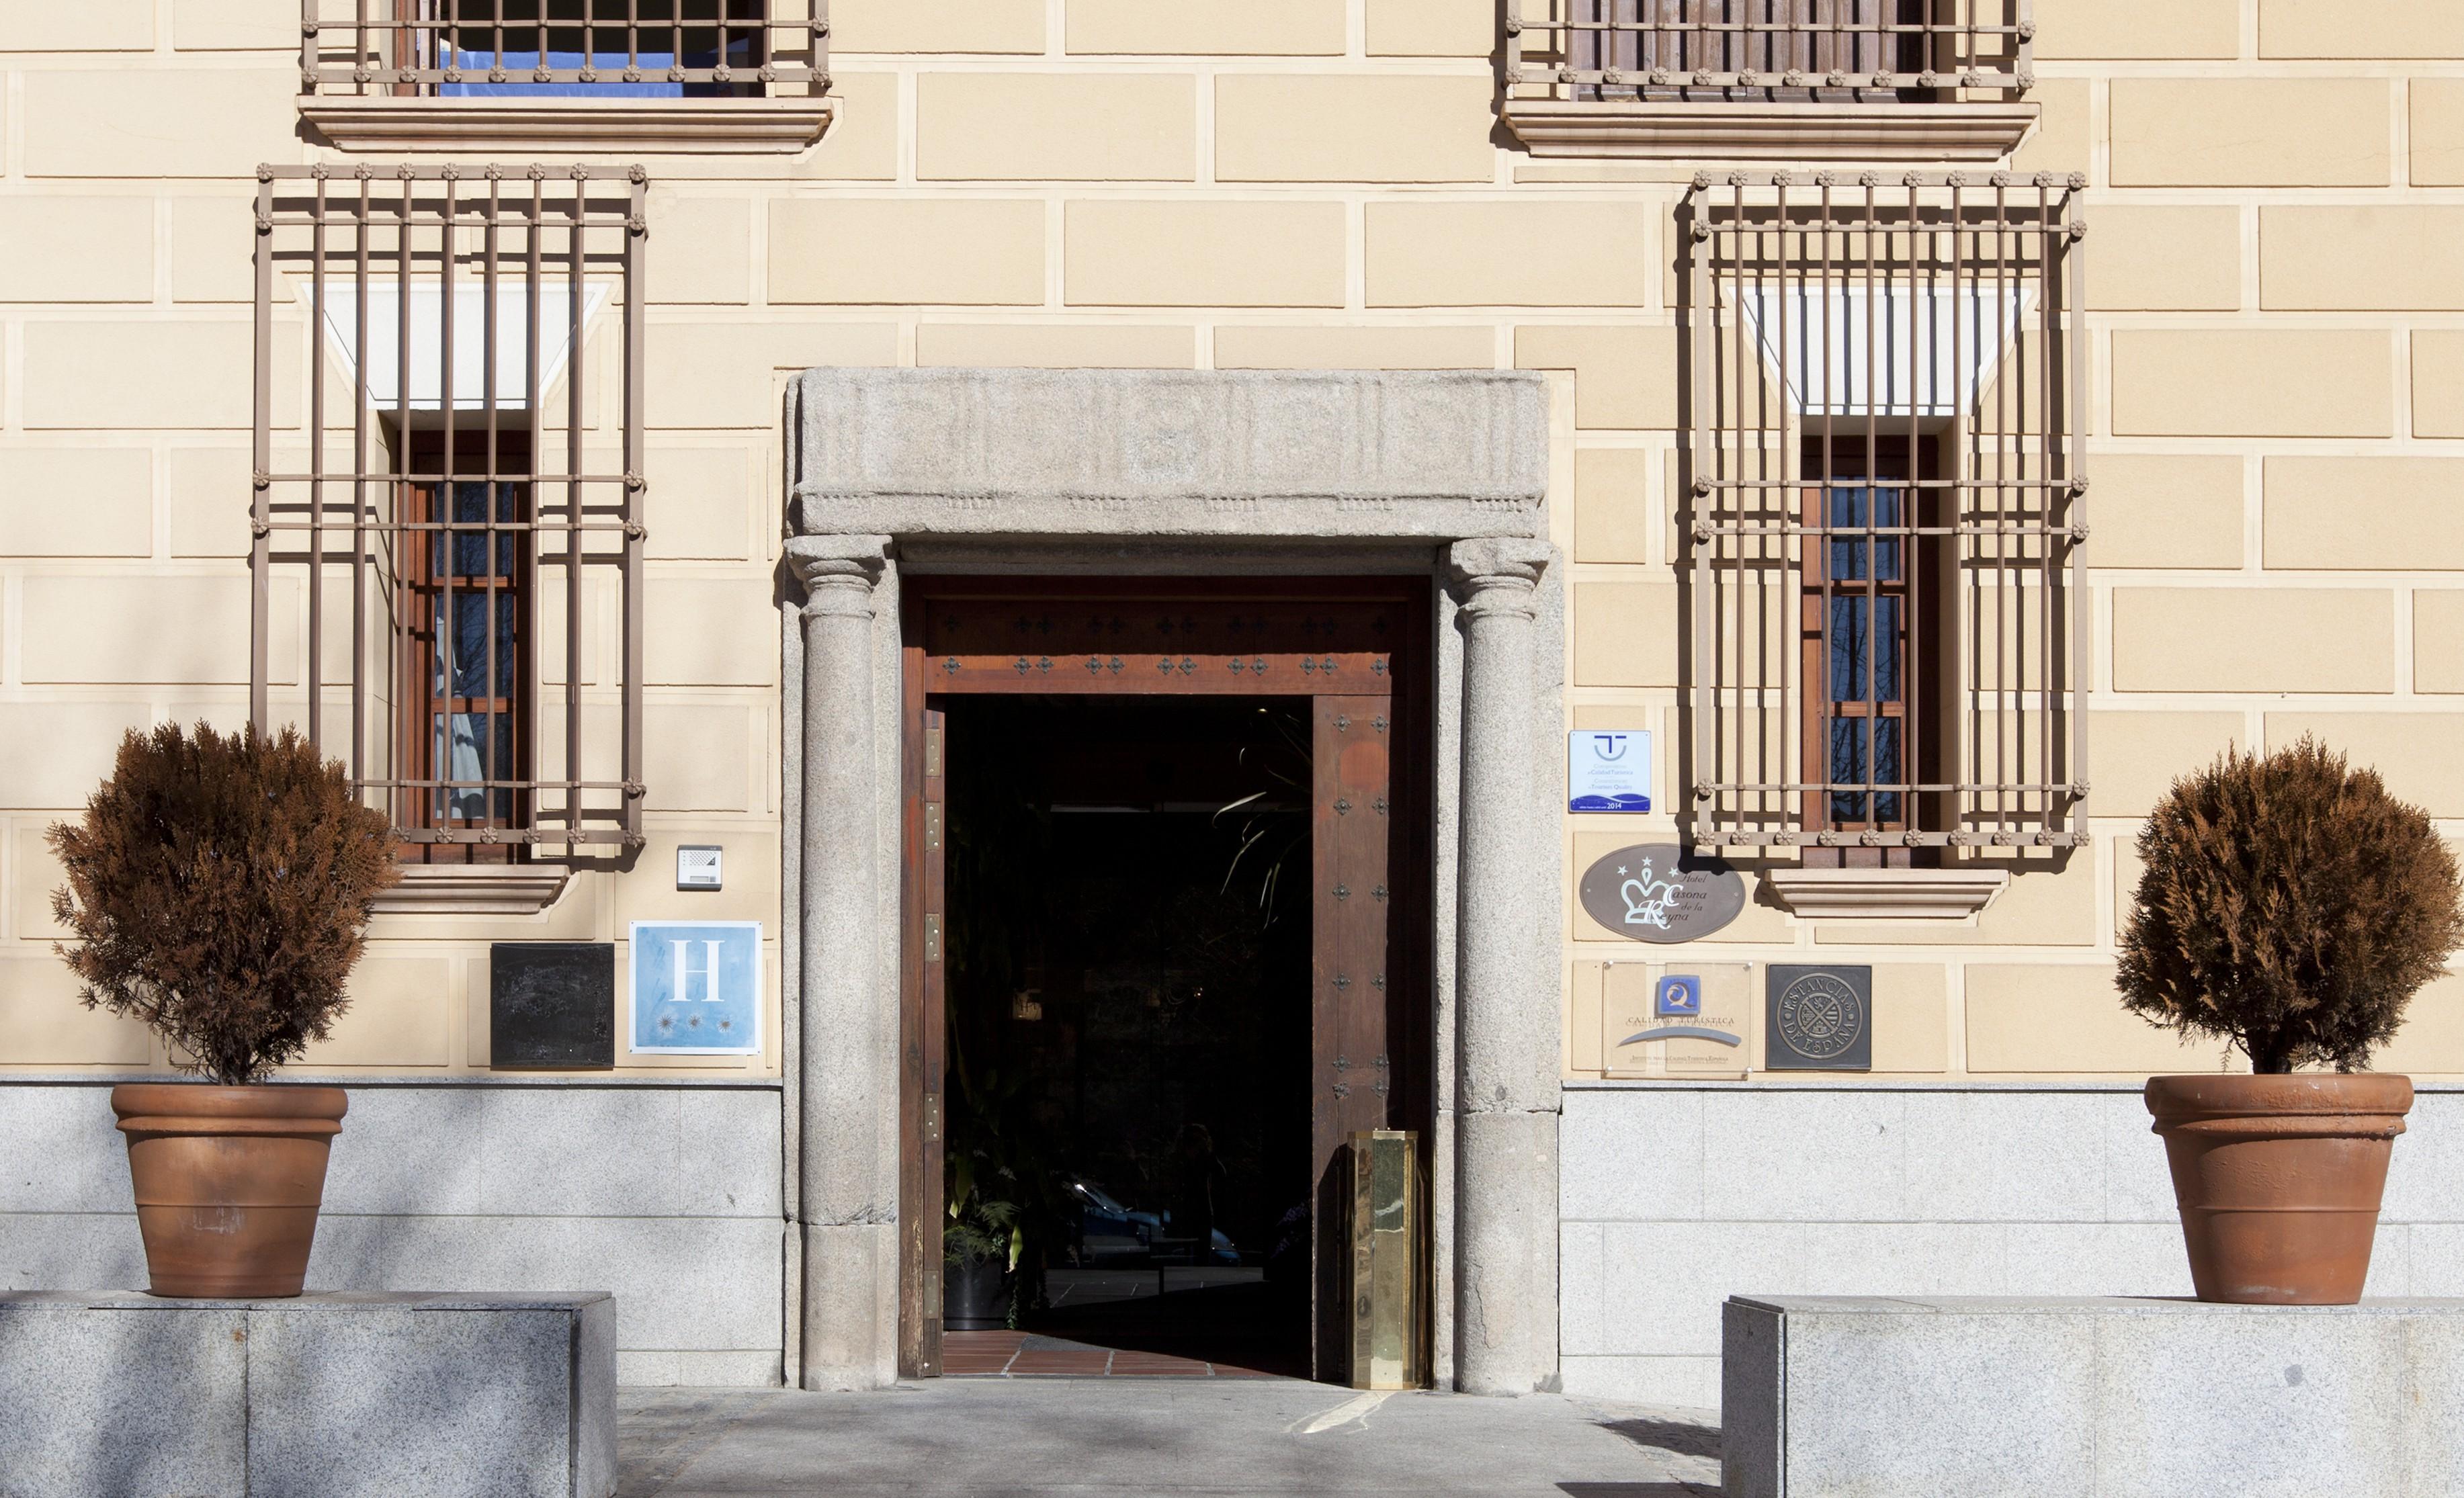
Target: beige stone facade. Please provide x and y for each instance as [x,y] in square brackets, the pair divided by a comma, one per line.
[2279,379]
[2273,333]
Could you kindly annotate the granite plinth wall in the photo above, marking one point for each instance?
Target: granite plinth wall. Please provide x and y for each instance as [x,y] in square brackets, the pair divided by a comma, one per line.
[1676,1196]
[1844,1397]
[403,1396]
[666,1196]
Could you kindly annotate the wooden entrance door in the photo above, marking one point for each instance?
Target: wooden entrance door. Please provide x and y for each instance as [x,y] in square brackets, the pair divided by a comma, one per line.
[922,1039]
[1352,1046]
[1358,650]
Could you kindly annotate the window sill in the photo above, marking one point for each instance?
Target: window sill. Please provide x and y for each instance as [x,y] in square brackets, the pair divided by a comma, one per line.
[1745,132]
[1886,894]
[713,126]
[460,889]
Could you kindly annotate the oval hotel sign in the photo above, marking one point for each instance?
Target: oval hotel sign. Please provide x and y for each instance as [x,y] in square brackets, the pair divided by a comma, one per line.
[1658,891]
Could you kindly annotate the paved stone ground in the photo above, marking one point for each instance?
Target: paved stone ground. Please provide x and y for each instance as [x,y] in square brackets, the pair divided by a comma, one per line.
[966,1438]
[1026,1355]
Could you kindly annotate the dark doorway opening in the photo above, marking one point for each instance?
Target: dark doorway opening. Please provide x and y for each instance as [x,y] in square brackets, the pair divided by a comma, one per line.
[1286,716]
[1128,971]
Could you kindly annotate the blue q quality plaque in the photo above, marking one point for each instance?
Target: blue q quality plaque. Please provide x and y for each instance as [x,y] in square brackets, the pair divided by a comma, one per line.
[1679,994]
[1608,770]
[696,986]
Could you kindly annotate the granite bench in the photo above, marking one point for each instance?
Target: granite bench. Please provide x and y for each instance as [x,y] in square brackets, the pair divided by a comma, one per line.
[121,1394]
[1837,1397]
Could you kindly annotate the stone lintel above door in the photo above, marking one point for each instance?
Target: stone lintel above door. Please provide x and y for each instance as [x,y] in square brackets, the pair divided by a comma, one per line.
[1319,455]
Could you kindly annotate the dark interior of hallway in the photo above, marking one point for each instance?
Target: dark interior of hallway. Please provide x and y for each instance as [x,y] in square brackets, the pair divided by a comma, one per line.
[1129,1034]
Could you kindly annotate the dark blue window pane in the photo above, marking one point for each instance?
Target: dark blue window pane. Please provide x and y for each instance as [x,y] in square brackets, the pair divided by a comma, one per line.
[470,645]
[1855,646]
[519,66]
[1854,743]
[470,548]
[1868,641]
[466,645]
[1853,509]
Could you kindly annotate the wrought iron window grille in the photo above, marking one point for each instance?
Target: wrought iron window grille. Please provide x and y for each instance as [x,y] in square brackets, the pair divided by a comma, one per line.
[442,574]
[1883,515]
[1768,51]
[640,49]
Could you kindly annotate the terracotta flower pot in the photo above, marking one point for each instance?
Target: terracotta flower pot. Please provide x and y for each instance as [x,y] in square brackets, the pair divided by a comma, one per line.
[2278,1180]
[228,1180]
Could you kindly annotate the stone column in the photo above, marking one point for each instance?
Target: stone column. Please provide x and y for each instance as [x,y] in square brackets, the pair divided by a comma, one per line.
[848,1068]
[1505,1003]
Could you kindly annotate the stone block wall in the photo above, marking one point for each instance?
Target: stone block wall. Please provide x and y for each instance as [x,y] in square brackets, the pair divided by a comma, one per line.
[1674,1197]
[2278,432]
[668,1196]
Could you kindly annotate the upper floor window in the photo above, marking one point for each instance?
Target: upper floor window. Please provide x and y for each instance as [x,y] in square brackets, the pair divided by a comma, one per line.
[614,76]
[1837,79]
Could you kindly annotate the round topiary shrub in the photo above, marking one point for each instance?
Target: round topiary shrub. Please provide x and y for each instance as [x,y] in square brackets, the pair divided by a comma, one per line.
[2289,906]
[218,890]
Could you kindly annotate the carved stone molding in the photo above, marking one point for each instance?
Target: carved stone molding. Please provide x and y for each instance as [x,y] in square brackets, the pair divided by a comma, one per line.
[838,572]
[1756,132]
[1498,573]
[475,889]
[1886,894]
[1312,455]
[613,126]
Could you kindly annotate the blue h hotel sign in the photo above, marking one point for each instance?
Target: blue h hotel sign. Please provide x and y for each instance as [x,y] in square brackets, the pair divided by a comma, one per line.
[696,986]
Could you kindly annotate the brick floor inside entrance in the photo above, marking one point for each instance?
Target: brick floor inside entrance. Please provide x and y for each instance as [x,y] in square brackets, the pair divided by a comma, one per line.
[1024,1354]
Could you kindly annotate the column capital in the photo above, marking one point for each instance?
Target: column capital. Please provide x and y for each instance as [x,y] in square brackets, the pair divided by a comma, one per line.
[1497,575]
[838,572]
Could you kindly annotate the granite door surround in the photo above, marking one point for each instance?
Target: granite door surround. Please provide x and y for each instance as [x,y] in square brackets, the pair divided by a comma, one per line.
[1125,471]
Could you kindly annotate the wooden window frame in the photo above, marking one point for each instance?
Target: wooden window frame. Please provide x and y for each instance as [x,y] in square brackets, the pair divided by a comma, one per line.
[1872,466]
[427,597]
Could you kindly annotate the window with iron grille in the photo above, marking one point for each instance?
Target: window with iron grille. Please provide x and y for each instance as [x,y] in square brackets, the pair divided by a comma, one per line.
[602,75]
[1865,80]
[610,49]
[437,553]
[1885,384]
[1828,50]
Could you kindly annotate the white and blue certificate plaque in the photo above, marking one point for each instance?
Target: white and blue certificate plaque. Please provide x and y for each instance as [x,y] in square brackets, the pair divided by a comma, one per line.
[1608,770]
[695,988]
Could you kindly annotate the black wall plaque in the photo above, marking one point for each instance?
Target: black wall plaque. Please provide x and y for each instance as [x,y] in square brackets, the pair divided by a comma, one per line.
[1819,1019]
[552,1004]
[1658,891]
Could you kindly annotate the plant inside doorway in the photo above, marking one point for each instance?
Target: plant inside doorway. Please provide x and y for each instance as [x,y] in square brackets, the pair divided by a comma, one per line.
[997,1215]
[1273,843]
[218,889]
[2290,906]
